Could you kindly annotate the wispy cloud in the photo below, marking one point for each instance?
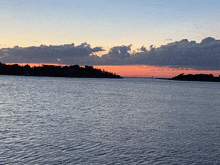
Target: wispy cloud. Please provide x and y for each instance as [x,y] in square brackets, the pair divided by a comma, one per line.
[4,18]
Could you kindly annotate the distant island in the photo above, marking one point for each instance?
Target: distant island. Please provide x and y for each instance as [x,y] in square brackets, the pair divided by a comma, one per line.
[196,77]
[55,71]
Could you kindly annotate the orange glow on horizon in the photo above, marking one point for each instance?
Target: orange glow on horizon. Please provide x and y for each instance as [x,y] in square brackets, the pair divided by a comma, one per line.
[139,70]
[152,71]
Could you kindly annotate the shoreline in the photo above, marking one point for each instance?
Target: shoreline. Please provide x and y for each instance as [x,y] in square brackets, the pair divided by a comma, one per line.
[55,71]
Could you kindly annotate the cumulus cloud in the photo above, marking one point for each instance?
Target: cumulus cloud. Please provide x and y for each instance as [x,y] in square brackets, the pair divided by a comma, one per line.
[179,54]
[48,54]
[143,49]
[184,54]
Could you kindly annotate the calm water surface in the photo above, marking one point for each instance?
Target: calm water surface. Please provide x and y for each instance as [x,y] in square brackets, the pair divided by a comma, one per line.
[47,120]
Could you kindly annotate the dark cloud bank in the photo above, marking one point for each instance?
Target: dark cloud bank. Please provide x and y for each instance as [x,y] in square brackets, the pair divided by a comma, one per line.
[179,54]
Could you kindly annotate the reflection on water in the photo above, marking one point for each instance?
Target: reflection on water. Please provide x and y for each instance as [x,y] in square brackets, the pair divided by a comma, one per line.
[107,121]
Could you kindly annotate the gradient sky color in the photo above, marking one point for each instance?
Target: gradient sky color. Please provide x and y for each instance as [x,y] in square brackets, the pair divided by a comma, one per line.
[107,23]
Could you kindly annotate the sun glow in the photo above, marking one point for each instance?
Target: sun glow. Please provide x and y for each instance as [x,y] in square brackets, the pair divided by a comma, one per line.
[138,70]
[153,71]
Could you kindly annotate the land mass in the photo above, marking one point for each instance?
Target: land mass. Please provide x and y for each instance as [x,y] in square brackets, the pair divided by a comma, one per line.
[55,71]
[197,77]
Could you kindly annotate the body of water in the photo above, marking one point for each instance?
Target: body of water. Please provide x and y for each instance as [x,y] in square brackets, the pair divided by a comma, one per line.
[45,120]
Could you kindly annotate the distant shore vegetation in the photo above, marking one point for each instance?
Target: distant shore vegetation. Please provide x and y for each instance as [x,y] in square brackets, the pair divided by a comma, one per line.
[197,77]
[55,71]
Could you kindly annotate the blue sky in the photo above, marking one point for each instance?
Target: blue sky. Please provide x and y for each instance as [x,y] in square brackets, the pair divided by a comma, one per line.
[107,23]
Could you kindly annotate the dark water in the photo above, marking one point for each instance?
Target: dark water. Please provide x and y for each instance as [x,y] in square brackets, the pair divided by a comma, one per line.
[108,121]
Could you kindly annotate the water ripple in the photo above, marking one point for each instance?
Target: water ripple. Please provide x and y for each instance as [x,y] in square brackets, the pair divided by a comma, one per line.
[104,121]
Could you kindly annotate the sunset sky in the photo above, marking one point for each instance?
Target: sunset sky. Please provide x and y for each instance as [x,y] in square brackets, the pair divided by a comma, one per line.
[145,35]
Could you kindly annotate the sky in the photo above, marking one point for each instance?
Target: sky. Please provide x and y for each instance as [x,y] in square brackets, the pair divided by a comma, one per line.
[111,32]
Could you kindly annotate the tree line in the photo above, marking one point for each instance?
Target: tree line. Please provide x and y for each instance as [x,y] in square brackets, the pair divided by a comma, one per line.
[55,71]
[197,77]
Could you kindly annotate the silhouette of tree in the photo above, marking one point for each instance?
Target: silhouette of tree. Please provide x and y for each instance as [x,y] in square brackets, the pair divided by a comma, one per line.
[197,77]
[55,71]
